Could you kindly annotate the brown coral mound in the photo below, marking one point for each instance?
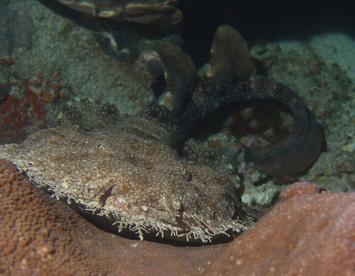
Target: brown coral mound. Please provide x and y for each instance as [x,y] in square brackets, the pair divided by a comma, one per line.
[34,236]
[311,234]
[305,234]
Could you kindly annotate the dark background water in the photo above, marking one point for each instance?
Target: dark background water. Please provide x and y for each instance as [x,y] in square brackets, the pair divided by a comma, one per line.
[264,19]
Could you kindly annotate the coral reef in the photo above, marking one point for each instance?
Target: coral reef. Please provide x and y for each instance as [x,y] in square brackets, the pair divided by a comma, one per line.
[56,44]
[35,237]
[26,106]
[313,233]
[49,236]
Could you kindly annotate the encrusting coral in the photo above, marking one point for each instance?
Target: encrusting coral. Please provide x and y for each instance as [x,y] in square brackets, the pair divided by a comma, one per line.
[34,236]
[132,177]
[306,234]
[309,232]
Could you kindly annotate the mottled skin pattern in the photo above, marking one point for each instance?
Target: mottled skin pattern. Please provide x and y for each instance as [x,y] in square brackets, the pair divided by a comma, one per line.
[134,181]
[137,11]
[232,79]
[131,174]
